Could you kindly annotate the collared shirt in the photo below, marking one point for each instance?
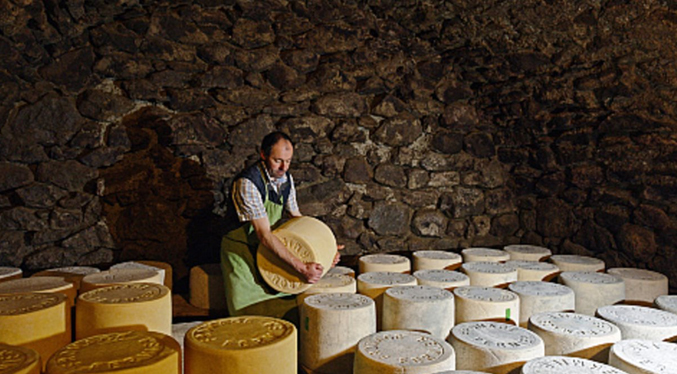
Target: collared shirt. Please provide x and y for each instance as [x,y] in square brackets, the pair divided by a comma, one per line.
[249,202]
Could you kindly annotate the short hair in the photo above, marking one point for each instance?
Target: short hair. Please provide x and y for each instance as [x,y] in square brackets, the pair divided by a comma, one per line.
[271,139]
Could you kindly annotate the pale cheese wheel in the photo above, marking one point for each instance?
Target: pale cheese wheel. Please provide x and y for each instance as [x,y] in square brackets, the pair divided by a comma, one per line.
[577,263]
[641,286]
[474,303]
[179,331]
[639,322]
[129,352]
[593,289]
[41,285]
[123,307]
[39,321]
[119,276]
[495,347]
[539,297]
[484,254]
[244,345]
[332,325]
[207,288]
[527,252]
[567,365]
[383,262]
[374,284]
[489,274]
[419,308]
[73,274]
[19,360]
[447,279]
[439,260]
[667,303]
[534,271]
[573,334]
[401,351]
[461,372]
[330,283]
[8,273]
[635,356]
[163,268]
[342,270]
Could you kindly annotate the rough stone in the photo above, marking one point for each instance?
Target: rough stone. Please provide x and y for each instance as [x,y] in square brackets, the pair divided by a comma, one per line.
[444,179]
[555,219]
[26,219]
[39,195]
[390,218]
[283,77]
[12,248]
[102,105]
[429,222]
[14,176]
[120,65]
[256,60]
[499,201]
[197,129]
[447,142]
[390,175]
[348,105]
[252,34]
[637,241]
[401,130]
[480,226]
[72,70]
[460,117]
[462,202]
[69,175]
[51,120]
[417,178]
[479,144]
[389,107]
[651,216]
[303,60]
[50,257]
[595,238]
[251,132]
[505,225]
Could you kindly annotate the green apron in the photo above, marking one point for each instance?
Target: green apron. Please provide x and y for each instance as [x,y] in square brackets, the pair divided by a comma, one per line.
[246,292]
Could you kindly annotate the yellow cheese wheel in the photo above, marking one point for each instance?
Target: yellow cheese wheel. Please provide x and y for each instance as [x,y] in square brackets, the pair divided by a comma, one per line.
[134,306]
[72,274]
[119,276]
[19,360]
[243,345]
[163,268]
[206,287]
[41,285]
[130,352]
[8,273]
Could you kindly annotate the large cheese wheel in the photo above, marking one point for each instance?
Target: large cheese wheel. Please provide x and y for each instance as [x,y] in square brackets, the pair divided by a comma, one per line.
[243,345]
[401,351]
[534,271]
[538,297]
[474,303]
[19,360]
[39,321]
[179,331]
[462,372]
[447,279]
[374,284]
[593,289]
[342,270]
[383,262]
[577,263]
[667,303]
[526,252]
[635,356]
[332,325]
[8,273]
[40,285]
[641,286]
[427,260]
[135,306]
[119,276]
[163,268]
[73,274]
[574,334]
[484,254]
[639,322]
[207,288]
[129,352]
[489,274]
[567,365]
[420,308]
[330,283]
[495,347]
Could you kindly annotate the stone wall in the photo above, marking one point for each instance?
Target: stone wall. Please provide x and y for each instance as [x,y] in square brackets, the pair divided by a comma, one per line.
[418,124]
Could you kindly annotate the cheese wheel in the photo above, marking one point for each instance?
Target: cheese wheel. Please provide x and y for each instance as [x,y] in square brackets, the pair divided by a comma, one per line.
[179,331]
[534,271]
[400,351]
[593,289]
[8,273]
[39,321]
[436,260]
[636,356]
[446,279]
[667,303]
[461,372]
[306,238]
[420,308]
[244,345]
[577,263]
[207,288]
[495,347]
[129,352]
[474,303]
[330,283]
[382,262]
[332,325]
[119,276]
[163,268]
[374,284]
[574,334]
[489,274]
[73,274]
[484,254]
[526,252]
[135,306]
[641,286]
[567,365]
[40,285]
[639,322]
[19,360]
[538,297]
[342,270]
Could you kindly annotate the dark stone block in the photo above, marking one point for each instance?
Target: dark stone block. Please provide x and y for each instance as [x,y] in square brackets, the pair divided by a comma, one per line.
[256,60]
[100,257]
[252,34]
[462,202]
[69,175]
[447,142]
[215,54]
[39,195]
[52,120]
[555,219]
[389,107]
[307,128]
[479,145]
[429,222]
[284,78]
[123,66]
[246,96]
[103,106]
[251,132]
[222,77]
[303,60]
[390,218]
[114,36]
[505,225]
[651,216]
[460,117]
[637,241]
[12,248]
[417,178]
[196,129]
[341,105]
[14,176]
[390,175]
[50,257]
[499,201]
[73,70]
[399,131]
[26,219]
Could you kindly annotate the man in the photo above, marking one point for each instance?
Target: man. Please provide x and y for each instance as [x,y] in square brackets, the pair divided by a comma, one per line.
[259,196]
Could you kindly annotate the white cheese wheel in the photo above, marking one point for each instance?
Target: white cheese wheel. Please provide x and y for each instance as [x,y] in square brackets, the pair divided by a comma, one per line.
[574,334]
[641,286]
[567,365]
[40,285]
[534,271]
[577,263]
[538,297]
[331,326]
[527,252]
[635,356]
[447,279]
[306,238]
[19,360]
[73,274]
[207,288]
[142,265]
[489,274]
[484,254]
[640,322]
[667,303]
[474,303]
[400,351]
[119,276]
[244,345]
[135,306]
[330,283]
[342,270]
[593,289]
[374,284]
[420,308]
[129,352]
[495,347]
[383,262]
[427,260]
[461,372]
[8,272]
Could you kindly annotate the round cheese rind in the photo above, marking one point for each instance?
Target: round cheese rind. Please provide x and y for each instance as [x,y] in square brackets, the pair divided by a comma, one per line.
[593,289]
[330,283]
[383,262]
[19,360]
[163,268]
[639,322]
[577,263]
[8,272]
[419,308]
[641,285]
[207,287]
[73,274]
[534,271]
[474,303]
[636,356]
[489,274]
[427,260]
[447,279]
[119,276]
[373,284]
[484,254]
[567,365]
[526,252]
[667,303]
[538,297]
[342,270]
[41,285]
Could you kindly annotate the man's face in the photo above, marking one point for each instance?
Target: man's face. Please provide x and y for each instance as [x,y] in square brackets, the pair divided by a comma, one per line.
[279,159]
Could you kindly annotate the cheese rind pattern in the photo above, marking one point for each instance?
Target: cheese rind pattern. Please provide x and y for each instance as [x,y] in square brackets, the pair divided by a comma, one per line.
[639,322]
[636,356]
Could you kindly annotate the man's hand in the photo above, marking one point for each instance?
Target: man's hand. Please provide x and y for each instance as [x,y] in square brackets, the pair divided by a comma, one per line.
[312,271]
[337,257]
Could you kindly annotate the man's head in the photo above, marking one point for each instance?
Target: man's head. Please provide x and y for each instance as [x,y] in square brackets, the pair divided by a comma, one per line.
[277,150]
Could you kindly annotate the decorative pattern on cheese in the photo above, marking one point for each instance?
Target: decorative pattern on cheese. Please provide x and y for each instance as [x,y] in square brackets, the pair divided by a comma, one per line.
[19,360]
[567,365]
[593,289]
[643,356]
[41,285]
[639,322]
[538,297]
[475,303]
[446,279]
